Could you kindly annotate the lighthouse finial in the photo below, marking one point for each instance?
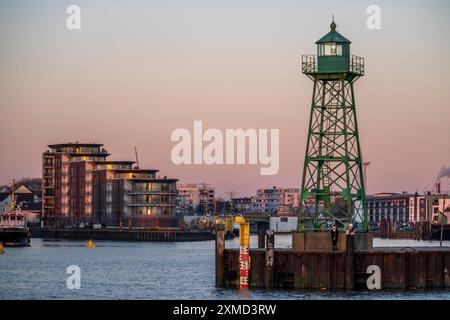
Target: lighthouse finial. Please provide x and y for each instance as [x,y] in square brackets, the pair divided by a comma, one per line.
[333,25]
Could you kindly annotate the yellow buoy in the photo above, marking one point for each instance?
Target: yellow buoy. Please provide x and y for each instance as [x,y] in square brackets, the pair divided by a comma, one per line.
[90,244]
[1,248]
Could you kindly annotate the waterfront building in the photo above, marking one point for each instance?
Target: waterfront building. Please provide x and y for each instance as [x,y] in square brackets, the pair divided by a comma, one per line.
[81,185]
[428,207]
[271,201]
[392,207]
[67,181]
[283,224]
[199,197]
[242,205]
[400,208]
[183,206]
[133,197]
[188,196]
[291,199]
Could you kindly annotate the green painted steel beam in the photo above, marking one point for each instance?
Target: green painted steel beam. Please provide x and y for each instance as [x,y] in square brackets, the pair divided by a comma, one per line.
[332,186]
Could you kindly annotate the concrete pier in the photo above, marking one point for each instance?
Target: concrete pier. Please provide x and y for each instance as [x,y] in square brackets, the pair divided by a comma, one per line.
[321,241]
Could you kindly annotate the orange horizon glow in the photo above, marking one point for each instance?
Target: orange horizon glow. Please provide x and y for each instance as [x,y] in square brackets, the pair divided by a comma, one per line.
[136,72]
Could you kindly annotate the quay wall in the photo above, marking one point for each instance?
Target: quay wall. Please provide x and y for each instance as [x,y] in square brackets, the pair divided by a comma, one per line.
[408,269]
[122,235]
[348,268]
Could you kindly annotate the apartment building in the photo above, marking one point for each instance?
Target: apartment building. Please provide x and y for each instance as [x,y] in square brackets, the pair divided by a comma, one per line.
[274,200]
[81,185]
[200,197]
[243,205]
[67,181]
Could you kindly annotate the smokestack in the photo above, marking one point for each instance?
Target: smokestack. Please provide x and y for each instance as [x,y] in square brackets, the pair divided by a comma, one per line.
[438,186]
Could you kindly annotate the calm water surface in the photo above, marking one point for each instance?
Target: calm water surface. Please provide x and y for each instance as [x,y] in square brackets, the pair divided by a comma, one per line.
[148,270]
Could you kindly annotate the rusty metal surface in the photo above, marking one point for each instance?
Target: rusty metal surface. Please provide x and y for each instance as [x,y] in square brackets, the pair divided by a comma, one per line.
[400,269]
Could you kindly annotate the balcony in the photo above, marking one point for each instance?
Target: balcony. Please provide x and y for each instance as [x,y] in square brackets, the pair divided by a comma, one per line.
[151,192]
[310,65]
[149,204]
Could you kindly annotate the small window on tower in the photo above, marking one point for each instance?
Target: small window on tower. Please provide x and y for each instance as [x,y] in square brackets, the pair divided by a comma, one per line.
[332,49]
[321,50]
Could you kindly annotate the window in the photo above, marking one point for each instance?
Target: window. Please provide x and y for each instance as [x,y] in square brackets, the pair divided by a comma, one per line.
[330,49]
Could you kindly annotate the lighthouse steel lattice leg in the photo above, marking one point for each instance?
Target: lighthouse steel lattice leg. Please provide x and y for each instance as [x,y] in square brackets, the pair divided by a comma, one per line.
[332,181]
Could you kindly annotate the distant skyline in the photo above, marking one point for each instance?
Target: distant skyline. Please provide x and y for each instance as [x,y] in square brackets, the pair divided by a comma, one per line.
[137,70]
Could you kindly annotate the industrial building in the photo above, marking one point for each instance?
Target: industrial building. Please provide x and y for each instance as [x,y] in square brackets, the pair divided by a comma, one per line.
[284,224]
[81,185]
[428,207]
[400,208]
[388,206]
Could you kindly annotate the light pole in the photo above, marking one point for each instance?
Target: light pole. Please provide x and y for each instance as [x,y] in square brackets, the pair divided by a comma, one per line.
[365,165]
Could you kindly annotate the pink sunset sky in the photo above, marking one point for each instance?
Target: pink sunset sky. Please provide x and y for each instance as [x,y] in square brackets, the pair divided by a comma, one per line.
[137,70]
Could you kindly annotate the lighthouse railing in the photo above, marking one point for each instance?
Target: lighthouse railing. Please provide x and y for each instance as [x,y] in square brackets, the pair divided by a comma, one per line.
[357,65]
[310,64]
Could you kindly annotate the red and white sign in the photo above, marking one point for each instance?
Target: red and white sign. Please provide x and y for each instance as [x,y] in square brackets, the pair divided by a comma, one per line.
[243,266]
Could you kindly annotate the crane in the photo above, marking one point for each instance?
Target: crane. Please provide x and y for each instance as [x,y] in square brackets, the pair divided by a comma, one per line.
[137,159]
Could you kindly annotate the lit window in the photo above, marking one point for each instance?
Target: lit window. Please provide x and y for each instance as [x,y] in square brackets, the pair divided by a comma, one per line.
[330,49]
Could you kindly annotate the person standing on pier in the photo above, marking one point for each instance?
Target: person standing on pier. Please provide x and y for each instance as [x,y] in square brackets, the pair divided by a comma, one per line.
[350,230]
[334,237]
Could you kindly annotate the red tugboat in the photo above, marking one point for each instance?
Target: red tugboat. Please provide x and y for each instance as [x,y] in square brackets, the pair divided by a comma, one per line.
[13,227]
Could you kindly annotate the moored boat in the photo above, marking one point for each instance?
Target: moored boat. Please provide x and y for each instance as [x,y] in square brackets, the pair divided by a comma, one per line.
[14,231]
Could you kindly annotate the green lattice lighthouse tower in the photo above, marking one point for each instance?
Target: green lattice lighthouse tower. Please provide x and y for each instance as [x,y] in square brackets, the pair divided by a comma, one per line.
[332,189]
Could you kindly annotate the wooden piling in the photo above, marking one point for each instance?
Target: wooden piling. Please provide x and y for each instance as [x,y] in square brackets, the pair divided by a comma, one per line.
[261,236]
[349,261]
[220,248]
[270,258]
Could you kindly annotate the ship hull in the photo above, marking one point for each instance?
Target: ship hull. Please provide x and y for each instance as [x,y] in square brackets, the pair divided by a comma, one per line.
[15,238]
